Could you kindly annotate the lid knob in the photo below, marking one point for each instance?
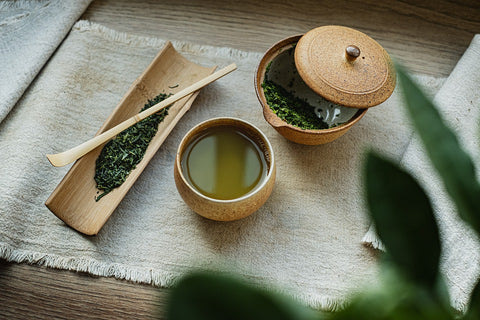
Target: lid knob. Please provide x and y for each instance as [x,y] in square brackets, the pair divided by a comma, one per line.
[352,52]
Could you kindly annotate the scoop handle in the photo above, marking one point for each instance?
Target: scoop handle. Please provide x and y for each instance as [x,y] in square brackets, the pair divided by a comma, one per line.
[69,156]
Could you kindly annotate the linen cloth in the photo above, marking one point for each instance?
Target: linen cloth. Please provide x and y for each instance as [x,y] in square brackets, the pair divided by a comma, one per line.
[459,102]
[305,240]
[30,31]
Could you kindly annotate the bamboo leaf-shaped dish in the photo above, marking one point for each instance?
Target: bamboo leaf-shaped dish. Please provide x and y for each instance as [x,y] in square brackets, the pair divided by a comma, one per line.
[73,200]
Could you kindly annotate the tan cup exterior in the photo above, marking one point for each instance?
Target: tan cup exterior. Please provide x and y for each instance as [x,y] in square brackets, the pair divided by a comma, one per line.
[226,210]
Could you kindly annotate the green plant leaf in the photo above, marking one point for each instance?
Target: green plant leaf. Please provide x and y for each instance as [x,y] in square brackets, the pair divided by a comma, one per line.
[452,163]
[396,300]
[204,295]
[404,220]
[473,312]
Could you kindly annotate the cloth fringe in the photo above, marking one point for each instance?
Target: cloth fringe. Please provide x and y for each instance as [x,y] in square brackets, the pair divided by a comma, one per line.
[90,266]
[135,40]
[371,239]
[122,272]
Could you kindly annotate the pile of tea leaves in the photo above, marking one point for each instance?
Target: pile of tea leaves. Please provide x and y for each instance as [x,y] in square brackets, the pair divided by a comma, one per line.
[290,108]
[122,154]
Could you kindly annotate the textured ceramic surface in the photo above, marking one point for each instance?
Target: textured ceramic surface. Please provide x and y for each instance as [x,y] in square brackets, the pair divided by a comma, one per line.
[345,66]
[226,210]
[281,68]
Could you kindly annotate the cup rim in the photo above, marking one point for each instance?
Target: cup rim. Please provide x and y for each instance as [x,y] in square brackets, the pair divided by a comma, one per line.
[191,133]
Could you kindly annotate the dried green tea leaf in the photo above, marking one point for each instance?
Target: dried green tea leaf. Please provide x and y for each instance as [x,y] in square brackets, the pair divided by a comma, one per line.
[122,154]
[290,108]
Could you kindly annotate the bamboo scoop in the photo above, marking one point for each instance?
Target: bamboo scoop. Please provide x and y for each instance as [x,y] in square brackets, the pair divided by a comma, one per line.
[69,156]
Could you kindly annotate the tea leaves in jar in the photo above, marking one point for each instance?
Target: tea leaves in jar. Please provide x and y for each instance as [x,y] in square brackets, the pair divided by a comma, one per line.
[293,101]
[290,108]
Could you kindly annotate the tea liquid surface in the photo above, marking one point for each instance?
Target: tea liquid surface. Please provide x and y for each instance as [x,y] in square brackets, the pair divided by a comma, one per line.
[224,163]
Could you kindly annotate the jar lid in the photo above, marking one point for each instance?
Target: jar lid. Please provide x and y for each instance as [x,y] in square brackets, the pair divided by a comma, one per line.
[345,66]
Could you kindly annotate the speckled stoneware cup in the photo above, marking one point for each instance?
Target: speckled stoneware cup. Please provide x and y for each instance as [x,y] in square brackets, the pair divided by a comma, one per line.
[226,210]
[281,67]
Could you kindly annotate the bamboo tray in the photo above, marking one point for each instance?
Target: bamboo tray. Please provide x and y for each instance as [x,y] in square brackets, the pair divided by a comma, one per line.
[73,200]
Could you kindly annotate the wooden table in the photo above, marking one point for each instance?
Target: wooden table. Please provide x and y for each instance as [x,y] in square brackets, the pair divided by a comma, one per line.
[427,36]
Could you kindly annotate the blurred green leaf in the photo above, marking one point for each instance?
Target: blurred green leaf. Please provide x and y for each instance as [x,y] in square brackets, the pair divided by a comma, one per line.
[204,295]
[404,220]
[396,300]
[453,164]
[473,312]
